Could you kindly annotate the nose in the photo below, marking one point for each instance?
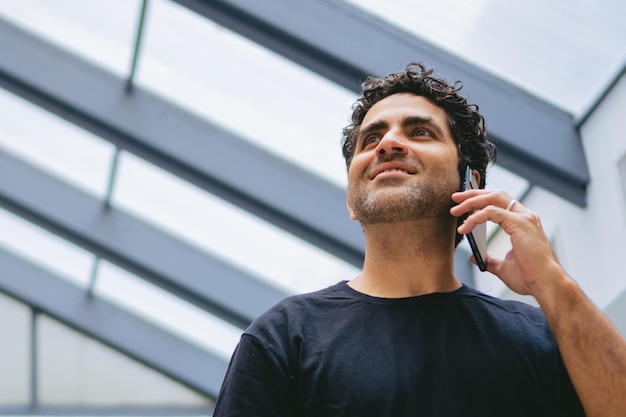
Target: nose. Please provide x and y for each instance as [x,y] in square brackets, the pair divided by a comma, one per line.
[391,143]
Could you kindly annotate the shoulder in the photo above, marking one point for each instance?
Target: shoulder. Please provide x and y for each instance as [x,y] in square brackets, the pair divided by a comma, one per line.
[301,303]
[289,314]
[511,319]
[507,308]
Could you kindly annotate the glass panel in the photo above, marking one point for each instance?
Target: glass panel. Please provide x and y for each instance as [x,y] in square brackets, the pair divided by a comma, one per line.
[499,178]
[45,249]
[245,88]
[213,225]
[77,370]
[14,352]
[54,145]
[621,167]
[100,31]
[560,50]
[160,307]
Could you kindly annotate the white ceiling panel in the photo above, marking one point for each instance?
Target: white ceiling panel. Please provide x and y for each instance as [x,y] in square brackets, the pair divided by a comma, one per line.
[246,88]
[563,51]
[101,32]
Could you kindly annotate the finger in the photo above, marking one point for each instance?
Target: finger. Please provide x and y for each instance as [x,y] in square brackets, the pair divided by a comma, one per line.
[493,264]
[477,200]
[460,196]
[493,214]
[512,203]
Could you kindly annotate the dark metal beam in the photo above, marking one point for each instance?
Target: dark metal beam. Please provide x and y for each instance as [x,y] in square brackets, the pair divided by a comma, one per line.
[182,361]
[132,244]
[187,145]
[344,43]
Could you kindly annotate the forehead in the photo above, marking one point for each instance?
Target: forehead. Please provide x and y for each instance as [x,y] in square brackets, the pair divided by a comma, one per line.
[400,105]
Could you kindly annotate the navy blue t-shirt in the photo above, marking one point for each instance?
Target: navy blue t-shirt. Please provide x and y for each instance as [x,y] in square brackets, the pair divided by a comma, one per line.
[338,352]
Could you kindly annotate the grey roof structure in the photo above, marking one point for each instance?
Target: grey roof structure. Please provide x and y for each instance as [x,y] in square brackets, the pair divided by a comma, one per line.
[350,45]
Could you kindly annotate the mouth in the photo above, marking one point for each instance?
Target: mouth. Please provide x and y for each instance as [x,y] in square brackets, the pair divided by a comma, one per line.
[392,169]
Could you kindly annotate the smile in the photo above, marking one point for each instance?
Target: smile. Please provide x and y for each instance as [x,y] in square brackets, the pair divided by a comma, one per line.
[392,169]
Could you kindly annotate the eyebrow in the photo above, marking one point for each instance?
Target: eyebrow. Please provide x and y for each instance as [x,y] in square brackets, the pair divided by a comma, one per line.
[407,121]
[372,127]
[422,120]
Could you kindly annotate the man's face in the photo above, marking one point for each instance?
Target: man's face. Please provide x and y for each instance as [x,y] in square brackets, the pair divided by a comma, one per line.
[405,162]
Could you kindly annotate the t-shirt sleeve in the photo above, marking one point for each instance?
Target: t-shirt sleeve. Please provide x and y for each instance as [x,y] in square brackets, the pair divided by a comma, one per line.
[256,383]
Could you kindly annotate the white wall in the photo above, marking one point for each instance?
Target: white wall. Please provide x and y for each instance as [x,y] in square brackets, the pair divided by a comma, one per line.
[590,241]
[75,370]
[14,352]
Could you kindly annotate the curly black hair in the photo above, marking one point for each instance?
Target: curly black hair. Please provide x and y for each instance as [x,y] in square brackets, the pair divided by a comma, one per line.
[466,123]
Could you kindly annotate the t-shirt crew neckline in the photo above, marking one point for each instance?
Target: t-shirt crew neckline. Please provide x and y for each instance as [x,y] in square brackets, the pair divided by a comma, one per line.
[343,287]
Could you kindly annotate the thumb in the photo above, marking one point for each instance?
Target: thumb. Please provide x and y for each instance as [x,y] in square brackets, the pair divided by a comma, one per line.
[493,264]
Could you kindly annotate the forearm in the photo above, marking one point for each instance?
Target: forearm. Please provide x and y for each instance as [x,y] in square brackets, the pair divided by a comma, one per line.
[593,350]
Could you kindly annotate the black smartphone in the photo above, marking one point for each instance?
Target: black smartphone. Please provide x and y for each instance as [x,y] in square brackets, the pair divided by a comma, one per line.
[477,238]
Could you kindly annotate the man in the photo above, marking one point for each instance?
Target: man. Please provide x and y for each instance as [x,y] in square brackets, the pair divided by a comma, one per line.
[405,337]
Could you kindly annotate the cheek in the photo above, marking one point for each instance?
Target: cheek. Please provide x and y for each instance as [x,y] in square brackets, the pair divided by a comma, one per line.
[440,157]
[443,163]
[451,155]
[357,167]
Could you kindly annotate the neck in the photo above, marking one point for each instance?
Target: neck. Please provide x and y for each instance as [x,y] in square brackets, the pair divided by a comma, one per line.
[408,258]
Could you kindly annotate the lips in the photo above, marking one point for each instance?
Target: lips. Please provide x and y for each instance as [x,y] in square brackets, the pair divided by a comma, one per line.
[392,167]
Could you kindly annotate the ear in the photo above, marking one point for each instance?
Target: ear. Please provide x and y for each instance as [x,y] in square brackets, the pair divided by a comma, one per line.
[349,205]
[476,176]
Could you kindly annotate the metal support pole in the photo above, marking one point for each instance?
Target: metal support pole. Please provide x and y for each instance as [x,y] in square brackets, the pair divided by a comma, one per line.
[34,362]
[139,35]
[112,177]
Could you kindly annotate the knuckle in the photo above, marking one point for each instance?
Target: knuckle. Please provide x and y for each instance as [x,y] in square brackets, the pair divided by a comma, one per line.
[503,195]
[491,208]
[532,218]
[536,219]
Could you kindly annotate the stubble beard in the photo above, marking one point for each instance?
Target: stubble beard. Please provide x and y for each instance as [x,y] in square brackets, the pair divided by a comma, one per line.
[404,203]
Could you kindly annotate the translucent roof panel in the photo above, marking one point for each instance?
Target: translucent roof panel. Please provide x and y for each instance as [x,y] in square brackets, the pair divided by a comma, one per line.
[221,229]
[562,51]
[101,32]
[54,145]
[44,249]
[246,88]
[168,311]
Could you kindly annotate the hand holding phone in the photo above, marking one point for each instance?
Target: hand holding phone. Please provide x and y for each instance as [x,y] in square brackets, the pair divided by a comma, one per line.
[477,238]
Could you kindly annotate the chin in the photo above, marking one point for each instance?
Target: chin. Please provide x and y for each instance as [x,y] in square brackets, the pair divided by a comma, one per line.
[399,204]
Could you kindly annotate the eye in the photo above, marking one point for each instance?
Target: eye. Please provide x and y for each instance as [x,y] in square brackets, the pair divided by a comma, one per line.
[421,131]
[369,140]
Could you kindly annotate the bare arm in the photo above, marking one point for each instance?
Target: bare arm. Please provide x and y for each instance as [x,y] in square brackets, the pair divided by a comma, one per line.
[593,350]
